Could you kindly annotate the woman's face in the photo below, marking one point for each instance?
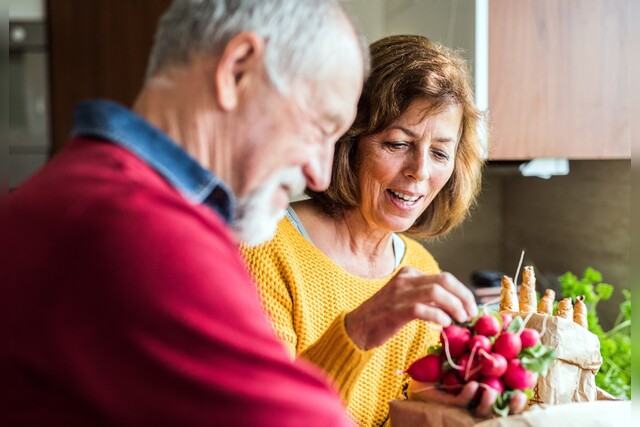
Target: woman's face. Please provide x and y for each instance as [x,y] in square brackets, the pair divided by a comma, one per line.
[402,168]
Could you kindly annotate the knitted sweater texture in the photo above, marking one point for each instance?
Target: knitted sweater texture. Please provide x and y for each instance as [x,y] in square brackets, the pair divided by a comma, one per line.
[307,296]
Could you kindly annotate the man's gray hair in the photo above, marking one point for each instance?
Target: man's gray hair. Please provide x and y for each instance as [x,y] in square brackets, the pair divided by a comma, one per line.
[300,35]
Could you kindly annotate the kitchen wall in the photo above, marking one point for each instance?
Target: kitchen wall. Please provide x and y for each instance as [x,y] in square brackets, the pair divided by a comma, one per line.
[565,223]
[24,9]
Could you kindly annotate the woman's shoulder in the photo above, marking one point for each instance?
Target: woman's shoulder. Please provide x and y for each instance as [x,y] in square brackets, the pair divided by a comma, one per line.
[414,244]
[418,256]
[285,234]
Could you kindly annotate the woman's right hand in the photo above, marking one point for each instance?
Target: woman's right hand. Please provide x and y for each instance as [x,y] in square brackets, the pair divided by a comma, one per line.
[409,295]
[430,392]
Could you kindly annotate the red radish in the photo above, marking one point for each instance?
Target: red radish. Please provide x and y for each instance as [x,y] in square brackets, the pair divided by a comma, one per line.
[517,377]
[427,369]
[494,383]
[487,325]
[529,337]
[508,344]
[506,319]
[493,365]
[452,382]
[480,342]
[457,338]
[470,367]
[487,354]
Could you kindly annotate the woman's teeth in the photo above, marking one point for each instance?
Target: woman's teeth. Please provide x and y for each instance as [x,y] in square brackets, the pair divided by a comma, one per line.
[404,197]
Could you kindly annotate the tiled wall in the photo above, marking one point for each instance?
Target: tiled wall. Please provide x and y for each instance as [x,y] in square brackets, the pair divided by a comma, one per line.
[565,223]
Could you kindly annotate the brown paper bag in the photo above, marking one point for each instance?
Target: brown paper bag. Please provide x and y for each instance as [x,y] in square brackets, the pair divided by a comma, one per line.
[407,413]
[572,376]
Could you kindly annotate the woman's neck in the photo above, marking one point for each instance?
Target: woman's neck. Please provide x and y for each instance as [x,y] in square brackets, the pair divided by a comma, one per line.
[348,240]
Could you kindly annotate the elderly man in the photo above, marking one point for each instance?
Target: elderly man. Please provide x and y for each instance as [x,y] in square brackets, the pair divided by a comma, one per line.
[125,301]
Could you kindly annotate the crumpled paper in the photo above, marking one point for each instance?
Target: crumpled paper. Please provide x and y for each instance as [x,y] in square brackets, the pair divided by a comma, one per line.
[407,413]
[572,376]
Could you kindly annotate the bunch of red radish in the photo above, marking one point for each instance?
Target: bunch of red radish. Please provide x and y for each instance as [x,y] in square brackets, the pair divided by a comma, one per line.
[495,350]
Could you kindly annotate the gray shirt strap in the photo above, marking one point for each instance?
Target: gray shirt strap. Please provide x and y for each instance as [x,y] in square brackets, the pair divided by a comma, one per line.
[398,244]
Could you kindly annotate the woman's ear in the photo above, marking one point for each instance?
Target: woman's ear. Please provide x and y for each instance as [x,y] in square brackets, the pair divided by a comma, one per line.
[241,62]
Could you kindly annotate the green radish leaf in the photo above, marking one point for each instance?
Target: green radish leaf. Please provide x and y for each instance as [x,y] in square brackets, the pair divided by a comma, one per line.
[539,364]
[515,324]
[536,351]
[502,410]
[501,406]
[529,393]
[434,349]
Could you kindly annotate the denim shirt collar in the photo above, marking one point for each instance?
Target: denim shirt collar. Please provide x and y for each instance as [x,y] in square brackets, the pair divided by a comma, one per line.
[110,121]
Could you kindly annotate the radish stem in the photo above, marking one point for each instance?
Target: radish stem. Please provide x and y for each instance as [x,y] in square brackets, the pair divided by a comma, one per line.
[446,352]
[524,323]
[484,353]
[469,363]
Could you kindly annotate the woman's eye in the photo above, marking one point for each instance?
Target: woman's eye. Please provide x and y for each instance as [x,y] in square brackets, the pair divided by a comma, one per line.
[396,145]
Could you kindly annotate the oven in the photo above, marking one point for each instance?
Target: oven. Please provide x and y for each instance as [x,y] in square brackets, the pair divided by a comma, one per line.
[29,139]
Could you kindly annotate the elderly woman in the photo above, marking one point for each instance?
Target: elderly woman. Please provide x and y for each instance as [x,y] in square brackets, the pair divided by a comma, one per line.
[342,287]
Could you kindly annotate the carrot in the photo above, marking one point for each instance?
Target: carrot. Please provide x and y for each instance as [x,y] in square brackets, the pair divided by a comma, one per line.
[546,302]
[580,312]
[508,297]
[528,290]
[565,309]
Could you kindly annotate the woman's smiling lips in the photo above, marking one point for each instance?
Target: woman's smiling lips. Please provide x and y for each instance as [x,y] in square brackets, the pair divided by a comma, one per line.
[402,200]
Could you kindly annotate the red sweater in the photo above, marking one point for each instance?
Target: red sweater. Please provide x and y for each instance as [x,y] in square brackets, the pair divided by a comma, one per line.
[127,305]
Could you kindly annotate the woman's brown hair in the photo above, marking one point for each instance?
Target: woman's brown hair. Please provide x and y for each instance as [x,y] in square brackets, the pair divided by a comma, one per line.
[405,68]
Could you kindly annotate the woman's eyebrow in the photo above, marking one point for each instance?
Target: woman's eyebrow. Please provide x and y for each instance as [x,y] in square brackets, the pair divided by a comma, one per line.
[405,130]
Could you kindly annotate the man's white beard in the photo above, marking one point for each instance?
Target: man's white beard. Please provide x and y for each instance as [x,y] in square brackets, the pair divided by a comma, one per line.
[256,218]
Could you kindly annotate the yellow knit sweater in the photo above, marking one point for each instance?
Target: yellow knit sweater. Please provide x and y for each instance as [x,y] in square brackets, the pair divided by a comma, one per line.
[307,295]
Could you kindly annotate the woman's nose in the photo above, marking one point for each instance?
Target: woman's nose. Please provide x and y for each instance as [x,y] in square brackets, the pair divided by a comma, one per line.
[419,166]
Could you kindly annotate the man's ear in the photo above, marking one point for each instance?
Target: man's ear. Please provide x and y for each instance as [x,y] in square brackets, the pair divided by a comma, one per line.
[240,61]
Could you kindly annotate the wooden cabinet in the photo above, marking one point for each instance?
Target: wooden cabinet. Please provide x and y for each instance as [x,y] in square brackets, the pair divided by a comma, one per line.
[98,48]
[559,79]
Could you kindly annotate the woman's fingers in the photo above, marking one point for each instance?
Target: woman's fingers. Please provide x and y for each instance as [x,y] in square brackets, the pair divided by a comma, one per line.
[407,296]
[466,395]
[430,392]
[442,290]
[518,403]
[487,399]
[457,288]
[430,313]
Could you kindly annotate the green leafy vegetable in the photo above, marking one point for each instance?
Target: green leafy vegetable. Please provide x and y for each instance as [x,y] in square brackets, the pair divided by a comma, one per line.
[501,406]
[515,325]
[615,345]
[538,358]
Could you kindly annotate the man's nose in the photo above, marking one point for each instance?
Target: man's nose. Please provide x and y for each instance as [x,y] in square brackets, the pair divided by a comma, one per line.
[318,169]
